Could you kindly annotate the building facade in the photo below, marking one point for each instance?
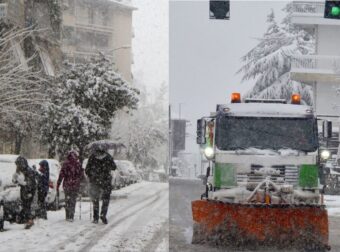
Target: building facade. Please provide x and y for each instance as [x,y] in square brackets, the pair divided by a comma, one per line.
[102,26]
[322,70]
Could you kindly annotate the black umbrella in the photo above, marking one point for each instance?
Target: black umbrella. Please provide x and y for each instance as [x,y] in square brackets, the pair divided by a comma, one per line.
[104,145]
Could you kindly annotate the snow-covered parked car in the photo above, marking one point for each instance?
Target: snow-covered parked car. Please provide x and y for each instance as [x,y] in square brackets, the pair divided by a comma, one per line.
[7,169]
[127,171]
[117,180]
[11,203]
[51,198]
[9,192]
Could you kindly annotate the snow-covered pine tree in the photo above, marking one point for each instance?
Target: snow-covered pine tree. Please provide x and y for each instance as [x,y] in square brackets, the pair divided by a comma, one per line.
[84,102]
[269,62]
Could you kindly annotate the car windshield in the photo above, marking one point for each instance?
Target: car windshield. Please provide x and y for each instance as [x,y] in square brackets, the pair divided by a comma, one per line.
[122,166]
[234,133]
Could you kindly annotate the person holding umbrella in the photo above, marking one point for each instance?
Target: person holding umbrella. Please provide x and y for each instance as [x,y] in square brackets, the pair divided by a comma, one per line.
[71,174]
[98,170]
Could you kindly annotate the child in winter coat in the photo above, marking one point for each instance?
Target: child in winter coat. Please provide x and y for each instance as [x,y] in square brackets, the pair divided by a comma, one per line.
[43,181]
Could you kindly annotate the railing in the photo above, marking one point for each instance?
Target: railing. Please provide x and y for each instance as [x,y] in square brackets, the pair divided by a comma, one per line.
[3,10]
[317,63]
[314,8]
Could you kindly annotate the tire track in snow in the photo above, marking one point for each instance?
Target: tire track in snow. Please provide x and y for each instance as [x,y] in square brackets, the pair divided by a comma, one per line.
[93,228]
[158,237]
[102,232]
[140,229]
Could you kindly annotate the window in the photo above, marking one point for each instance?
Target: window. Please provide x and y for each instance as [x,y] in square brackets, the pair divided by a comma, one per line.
[69,36]
[83,14]
[69,7]
[101,41]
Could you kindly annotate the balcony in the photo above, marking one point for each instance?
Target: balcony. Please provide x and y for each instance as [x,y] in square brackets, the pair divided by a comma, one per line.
[311,68]
[311,13]
[3,10]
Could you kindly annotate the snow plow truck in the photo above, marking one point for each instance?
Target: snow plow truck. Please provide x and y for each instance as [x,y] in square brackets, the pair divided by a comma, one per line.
[262,186]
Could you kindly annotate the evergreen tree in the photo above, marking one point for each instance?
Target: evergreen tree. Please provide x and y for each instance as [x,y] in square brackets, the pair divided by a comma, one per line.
[269,63]
[86,98]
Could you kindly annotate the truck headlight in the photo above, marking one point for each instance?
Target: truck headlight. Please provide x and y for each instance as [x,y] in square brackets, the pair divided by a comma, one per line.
[325,154]
[209,152]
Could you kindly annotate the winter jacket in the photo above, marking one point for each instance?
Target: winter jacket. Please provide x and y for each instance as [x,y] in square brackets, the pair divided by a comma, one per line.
[44,177]
[71,174]
[98,170]
[28,186]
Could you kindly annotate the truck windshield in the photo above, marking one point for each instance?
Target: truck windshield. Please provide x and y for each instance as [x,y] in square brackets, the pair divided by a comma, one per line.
[234,133]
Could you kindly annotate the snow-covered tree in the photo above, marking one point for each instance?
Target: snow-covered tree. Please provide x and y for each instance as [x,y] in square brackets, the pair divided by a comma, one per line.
[269,62]
[86,98]
[145,132]
[22,89]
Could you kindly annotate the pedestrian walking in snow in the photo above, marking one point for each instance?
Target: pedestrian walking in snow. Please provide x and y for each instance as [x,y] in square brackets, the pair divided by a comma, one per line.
[71,175]
[25,177]
[98,170]
[43,187]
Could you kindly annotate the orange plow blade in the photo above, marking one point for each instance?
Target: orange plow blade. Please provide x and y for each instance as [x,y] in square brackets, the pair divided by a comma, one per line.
[247,225]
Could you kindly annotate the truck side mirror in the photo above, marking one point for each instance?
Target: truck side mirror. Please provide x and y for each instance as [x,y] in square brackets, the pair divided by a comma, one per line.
[201,125]
[327,129]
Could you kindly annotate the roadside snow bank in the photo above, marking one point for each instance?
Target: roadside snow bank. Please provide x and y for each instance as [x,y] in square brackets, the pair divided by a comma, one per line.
[333,204]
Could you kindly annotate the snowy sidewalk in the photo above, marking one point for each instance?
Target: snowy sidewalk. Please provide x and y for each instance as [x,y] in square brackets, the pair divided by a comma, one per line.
[137,223]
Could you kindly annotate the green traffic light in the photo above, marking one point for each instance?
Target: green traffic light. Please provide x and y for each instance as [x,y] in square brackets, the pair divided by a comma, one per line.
[335,11]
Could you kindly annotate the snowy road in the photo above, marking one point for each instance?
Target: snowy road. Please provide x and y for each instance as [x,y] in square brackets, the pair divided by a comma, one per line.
[138,221]
[182,192]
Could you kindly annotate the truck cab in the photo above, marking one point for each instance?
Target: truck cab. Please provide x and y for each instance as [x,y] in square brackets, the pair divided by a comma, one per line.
[261,142]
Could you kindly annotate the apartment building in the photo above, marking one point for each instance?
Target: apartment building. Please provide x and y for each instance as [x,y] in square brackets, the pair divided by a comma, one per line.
[322,70]
[86,28]
[103,26]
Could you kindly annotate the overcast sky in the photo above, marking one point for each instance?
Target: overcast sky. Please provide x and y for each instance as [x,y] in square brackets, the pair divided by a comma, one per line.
[151,43]
[205,54]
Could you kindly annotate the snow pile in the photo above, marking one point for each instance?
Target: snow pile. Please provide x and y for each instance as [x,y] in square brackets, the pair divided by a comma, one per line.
[10,194]
[333,204]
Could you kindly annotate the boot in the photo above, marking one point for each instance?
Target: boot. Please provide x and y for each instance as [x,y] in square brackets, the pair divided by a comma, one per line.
[29,224]
[103,218]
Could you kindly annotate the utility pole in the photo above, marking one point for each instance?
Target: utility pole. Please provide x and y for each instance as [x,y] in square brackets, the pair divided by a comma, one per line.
[170,141]
[180,109]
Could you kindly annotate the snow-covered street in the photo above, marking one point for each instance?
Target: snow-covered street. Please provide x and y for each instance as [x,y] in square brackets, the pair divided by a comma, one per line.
[182,192]
[138,221]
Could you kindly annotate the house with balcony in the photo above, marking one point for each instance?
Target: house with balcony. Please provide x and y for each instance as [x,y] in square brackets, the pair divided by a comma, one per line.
[321,70]
[103,26]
